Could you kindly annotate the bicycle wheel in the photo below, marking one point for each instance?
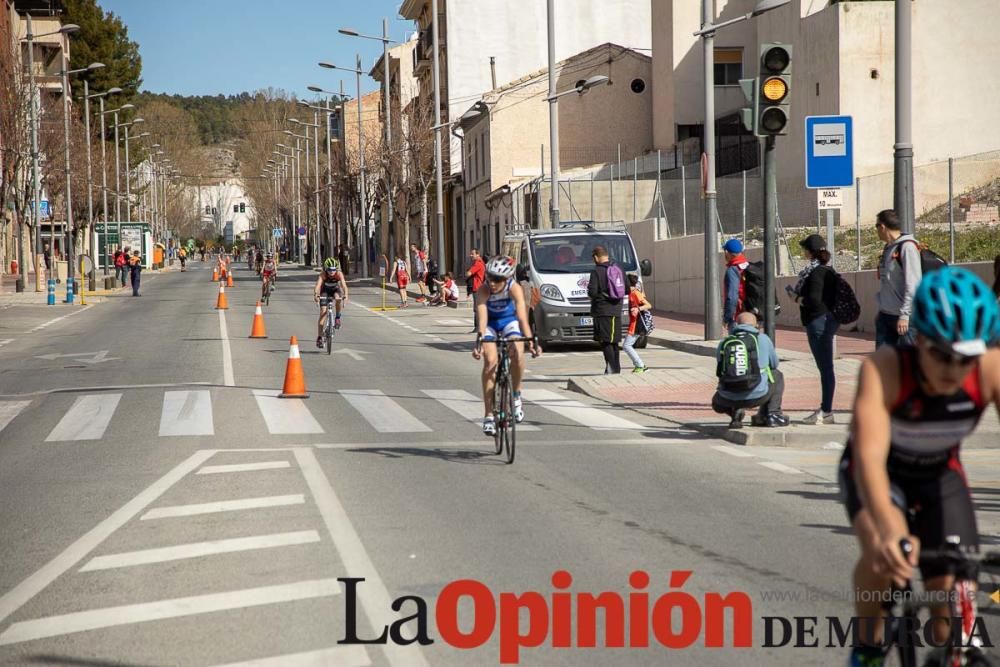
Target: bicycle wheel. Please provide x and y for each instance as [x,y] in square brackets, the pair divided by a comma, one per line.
[328,332]
[510,423]
[498,415]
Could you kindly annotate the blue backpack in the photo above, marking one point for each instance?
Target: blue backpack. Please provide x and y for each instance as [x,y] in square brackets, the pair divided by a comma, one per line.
[616,282]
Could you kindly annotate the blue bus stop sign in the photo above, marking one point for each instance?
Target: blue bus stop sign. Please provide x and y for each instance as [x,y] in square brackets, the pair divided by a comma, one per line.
[829,152]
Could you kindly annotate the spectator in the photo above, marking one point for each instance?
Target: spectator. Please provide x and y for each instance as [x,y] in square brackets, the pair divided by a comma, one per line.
[637,302]
[474,277]
[419,271]
[816,291]
[345,260]
[402,278]
[899,273]
[448,294]
[606,311]
[743,356]
[119,259]
[996,276]
[135,268]
[736,264]
[432,275]
[126,253]
[48,257]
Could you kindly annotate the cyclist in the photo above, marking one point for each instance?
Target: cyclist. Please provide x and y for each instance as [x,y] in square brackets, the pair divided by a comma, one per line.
[269,272]
[330,284]
[221,266]
[259,260]
[182,255]
[900,474]
[501,311]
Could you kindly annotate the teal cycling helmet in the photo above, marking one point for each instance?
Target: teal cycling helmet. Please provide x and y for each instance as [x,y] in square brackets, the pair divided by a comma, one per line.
[953,307]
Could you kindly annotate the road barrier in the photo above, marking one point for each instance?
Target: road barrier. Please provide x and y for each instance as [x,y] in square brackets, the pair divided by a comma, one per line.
[221,303]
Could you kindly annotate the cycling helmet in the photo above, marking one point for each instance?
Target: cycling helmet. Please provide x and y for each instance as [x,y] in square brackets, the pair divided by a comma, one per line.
[954,308]
[330,264]
[500,267]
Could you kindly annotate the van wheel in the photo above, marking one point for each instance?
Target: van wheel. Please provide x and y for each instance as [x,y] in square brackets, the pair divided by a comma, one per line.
[641,343]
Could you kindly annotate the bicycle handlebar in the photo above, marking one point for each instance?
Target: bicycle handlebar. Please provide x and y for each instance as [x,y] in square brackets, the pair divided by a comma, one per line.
[953,554]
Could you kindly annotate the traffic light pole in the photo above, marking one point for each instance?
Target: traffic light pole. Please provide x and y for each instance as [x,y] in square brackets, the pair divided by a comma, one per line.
[770,225]
[903,148]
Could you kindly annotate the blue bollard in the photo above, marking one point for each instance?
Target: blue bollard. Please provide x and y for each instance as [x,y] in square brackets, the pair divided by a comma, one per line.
[52,292]
[69,290]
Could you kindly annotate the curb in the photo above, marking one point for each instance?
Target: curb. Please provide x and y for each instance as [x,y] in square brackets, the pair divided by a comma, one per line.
[706,348]
[789,436]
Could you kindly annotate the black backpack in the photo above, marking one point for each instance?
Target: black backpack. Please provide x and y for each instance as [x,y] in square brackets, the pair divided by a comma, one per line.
[738,367]
[753,289]
[929,260]
[845,307]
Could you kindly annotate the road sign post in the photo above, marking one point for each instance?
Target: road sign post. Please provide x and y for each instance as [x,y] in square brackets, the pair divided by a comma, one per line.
[829,164]
[383,272]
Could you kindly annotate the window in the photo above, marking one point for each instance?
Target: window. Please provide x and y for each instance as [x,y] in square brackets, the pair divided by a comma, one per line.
[482,149]
[728,66]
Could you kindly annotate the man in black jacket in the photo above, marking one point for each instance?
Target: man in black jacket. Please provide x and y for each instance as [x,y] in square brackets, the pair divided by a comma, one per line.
[607,311]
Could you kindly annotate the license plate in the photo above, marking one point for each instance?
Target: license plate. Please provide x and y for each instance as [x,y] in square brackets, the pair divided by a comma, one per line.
[586,321]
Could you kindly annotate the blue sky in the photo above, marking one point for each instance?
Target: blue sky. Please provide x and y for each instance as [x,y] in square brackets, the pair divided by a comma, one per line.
[205,47]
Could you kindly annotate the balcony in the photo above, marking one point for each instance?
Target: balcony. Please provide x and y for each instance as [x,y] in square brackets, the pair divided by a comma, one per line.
[423,52]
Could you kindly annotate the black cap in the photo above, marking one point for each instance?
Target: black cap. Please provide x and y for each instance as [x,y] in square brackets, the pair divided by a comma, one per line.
[813,243]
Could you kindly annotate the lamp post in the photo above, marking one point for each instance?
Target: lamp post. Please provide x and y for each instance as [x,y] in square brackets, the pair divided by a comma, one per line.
[315,126]
[304,199]
[438,183]
[361,158]
[87,96]
[713,296]
[553,100]
[128,173]
[329,170]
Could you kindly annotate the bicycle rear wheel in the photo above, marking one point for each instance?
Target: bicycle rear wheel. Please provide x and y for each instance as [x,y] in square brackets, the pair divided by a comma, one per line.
[498,416]
[328,331]
[510,422]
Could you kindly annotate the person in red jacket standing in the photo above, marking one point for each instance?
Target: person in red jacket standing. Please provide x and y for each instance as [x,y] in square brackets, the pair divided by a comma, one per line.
[475,277]
[733,295]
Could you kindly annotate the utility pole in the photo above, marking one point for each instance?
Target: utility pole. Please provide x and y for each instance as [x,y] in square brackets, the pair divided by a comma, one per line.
[770,224]
[713,295]
[438,185]
[903,149]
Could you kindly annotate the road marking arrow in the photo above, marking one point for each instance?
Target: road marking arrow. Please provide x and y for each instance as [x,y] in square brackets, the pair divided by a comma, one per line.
[995,596]
[354,354]
[95,357]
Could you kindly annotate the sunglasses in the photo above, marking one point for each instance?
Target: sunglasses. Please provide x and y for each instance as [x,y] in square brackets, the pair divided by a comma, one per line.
[950,359]
[496,279]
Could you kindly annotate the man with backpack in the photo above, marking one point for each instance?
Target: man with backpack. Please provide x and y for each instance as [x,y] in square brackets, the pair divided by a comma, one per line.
[747,368]
[606,290]
[899,273]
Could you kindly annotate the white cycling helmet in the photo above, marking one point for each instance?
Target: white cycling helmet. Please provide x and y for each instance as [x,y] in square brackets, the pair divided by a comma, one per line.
[500,267]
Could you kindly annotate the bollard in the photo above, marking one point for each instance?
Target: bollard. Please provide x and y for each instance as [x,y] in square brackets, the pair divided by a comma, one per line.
[52,292]
[69,290]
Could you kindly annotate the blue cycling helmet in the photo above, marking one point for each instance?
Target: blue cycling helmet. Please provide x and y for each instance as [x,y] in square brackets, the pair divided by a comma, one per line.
[955,308]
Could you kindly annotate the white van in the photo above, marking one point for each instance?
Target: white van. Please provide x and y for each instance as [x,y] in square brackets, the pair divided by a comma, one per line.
[553,267]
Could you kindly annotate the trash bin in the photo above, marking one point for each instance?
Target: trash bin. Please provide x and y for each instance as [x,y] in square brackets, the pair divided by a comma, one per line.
[62,271]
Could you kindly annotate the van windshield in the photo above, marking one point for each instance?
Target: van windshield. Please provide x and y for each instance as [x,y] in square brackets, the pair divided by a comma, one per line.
[572,254]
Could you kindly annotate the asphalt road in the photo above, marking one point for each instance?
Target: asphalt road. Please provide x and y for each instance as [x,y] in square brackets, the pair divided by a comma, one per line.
[161,507]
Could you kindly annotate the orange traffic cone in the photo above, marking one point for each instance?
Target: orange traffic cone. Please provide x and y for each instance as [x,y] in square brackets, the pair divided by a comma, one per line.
[295,379]
[221,303]
[257,329]
[229,280]
[215,275]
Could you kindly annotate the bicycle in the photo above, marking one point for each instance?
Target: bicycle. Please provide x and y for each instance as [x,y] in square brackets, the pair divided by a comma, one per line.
[965,566]
[505,438]
[265,292]
[328,325]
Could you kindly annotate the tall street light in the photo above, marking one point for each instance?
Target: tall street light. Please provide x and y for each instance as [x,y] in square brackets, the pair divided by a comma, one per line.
[128,172]
[361,158]
[303,197]
[553,100]
[329,169]
[296,158]
[64,73]
[35,179]
[438,182]
[315,127]
[713,296]
[87,96]
[116,125]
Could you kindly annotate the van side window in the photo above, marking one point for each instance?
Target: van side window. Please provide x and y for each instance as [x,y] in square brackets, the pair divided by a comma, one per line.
[524,255]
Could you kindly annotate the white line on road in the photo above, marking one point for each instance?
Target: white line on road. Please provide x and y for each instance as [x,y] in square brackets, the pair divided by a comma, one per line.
[227,352]
[453,323]
[27,589]
[731,451]
[383,413]
[374,596]
[198,549]
[86,419]
[577,411]
[341,656]
[187,413]
[223,506]
[94,619]
[5,341]
[43,325]
[780,467]
[467,405]
[9,410]
[243,467]
[285,415]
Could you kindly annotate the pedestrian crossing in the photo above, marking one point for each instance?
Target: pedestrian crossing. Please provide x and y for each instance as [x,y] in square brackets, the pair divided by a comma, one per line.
[191,413]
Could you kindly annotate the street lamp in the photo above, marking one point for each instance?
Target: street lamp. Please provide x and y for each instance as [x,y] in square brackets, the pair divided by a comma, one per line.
[713,299]
[304,199]
[315,127]
[87,96]
[128,172]
[361,158]
[334,233]
[35,178]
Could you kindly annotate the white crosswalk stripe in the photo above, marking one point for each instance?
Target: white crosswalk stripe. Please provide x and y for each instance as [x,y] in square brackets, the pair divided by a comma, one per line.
[9,410]
[87,419]
[285,415]
[467,405]
[187,413]
[384,414]
[577,411]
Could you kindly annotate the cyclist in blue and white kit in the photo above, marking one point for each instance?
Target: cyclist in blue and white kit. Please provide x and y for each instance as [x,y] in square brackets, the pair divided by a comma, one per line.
[501,312]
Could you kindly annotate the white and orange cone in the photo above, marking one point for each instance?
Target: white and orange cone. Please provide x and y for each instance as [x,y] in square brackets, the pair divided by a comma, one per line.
[215,275]
[221,303]
[229,279]
[257,329]
[295,379]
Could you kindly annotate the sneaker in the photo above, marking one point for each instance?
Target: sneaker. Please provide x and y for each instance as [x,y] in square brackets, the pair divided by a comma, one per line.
[518,409]
[777,419]
[819,417]
[336,323]
[489,426]
[758,420]
[737,419]
[866,656]
[319,342]
[638,370]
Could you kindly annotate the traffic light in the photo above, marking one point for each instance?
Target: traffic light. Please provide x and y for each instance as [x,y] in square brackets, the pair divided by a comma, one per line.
[236,208]
[748,115]
[243,207]
[208,210]
[774,89]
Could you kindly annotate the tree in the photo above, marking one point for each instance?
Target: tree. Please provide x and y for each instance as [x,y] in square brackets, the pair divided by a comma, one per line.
[102,37]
